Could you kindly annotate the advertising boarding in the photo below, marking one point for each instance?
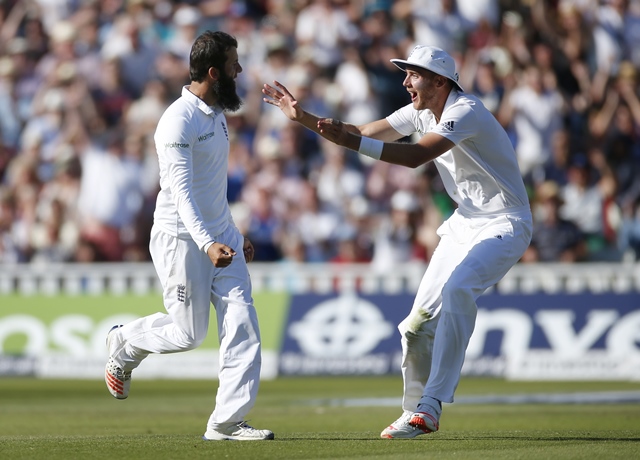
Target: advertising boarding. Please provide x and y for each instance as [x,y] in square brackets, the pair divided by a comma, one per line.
[525,337]
[536,337]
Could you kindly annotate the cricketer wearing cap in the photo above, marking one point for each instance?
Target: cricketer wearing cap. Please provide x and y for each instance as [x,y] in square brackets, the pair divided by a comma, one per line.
[486,235]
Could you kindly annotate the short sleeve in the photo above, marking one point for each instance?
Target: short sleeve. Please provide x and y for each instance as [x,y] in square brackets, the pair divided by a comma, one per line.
[458,123]
[402,120]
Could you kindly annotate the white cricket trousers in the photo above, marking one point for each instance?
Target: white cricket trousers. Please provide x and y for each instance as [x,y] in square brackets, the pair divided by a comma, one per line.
[190,283]
[473,254]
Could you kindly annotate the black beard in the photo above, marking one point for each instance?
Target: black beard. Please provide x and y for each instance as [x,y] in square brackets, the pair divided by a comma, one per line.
[226,96]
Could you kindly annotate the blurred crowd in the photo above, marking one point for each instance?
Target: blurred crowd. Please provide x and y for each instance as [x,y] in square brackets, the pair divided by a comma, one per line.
[84,82]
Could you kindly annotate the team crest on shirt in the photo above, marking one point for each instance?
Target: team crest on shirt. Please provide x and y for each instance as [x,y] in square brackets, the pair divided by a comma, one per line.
[226,133]
[448,125]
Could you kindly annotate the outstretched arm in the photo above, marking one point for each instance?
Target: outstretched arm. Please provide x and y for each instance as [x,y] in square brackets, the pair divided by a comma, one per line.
[373,139]
[279,96]
[429,147]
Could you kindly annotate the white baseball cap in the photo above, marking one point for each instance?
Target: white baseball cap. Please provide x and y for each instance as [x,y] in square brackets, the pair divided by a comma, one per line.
[431,58]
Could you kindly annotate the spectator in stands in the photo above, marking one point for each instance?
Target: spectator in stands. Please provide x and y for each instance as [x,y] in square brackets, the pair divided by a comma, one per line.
[324,27]
[9,251]
[534,110]
[512,38]
[485,83]
[337,181]
[615,127]
[21,203]
[583,203]
[629,235]
[136,56]
[608,34]
[64,113]
[273,56]
[263,227]
[142,114]
[56,230]
[55,238]
[567,31]
[110,196]
[437,22]
[384,179]
[314,225]
[110,95]
[475,12]
[349,250]
[26,81]
[352,88]
[62,51]
[632,32]
[378,44]
[396,239]
[186,21]
[556,168]
[554,238]
[87,39]
[10,123]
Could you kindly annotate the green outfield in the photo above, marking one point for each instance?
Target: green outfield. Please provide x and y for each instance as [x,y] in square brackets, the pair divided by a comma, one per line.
[312,418]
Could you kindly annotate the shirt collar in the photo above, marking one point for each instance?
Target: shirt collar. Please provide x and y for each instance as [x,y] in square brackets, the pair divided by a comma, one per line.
[199,103]
[451,98]
[453,95]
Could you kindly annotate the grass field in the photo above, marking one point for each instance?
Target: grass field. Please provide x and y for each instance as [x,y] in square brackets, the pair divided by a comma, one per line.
[312,418]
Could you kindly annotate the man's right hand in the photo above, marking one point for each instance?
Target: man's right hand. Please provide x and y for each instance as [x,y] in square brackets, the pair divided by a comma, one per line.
[283,99]
[221,255]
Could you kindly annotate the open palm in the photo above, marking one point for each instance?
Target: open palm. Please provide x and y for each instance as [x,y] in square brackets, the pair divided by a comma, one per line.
[283,99]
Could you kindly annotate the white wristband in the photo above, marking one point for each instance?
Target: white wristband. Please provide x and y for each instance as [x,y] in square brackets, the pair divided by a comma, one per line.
[371,147]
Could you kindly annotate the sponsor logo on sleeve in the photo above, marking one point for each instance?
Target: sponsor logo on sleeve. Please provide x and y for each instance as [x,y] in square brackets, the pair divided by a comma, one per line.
[448,125]
[175,145]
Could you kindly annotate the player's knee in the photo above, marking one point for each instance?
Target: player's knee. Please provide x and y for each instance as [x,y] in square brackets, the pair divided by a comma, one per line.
[196,342]
[190,341]
[404,330]
[414,329]
[458,298]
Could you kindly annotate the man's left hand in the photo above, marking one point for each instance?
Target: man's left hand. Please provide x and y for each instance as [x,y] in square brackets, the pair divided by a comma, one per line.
[247,249]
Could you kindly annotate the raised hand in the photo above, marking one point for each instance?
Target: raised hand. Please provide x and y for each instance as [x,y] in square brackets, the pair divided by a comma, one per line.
[283,99]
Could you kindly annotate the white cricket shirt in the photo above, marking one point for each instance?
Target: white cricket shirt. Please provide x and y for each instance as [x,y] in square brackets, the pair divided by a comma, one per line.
[192,142]
[480,173]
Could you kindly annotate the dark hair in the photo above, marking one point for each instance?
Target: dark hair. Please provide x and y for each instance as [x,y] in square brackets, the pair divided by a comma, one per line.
[209,50]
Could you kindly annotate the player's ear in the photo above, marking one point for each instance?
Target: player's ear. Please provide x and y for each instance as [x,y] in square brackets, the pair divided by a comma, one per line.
[441,81]
[214,73]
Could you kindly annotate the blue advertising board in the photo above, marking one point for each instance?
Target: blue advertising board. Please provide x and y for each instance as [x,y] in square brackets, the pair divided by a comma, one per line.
[540,336]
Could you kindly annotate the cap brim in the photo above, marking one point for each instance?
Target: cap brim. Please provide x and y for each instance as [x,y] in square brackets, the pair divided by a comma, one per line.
[402,65]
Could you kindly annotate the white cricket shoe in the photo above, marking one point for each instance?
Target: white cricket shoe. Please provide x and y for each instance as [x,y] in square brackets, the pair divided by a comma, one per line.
[402,429]
[425,420]
[237,432]
[118,381]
